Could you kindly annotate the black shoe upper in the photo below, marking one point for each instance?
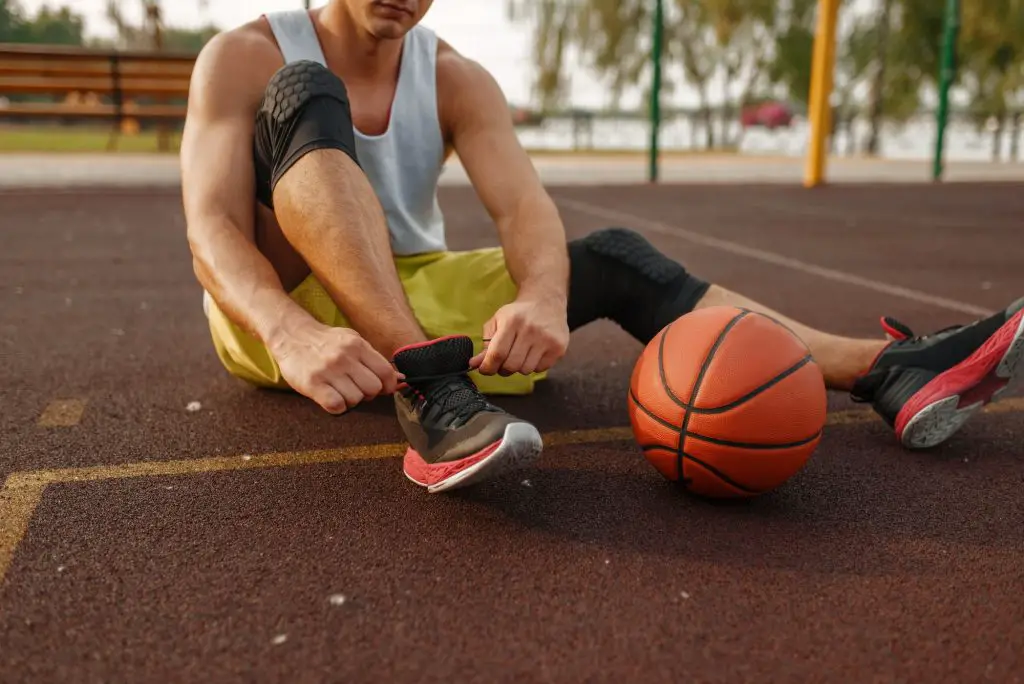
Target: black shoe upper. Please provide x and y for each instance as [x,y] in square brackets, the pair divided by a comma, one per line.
[910,362]
[443,414]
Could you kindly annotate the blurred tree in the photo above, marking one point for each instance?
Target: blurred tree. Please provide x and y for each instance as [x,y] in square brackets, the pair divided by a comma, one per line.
[882,28]
[59,26]
[887,58]
[152,32]
[731,39]
[727,42]
[553,21]
[790,63]
[992,64]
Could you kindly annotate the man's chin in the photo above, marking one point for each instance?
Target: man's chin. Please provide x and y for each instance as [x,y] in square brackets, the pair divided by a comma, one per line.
[388,30]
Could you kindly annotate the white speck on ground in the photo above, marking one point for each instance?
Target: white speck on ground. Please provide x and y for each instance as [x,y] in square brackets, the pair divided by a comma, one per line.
[61,568]
[987,285]
[144,305]
[684,594]
[193,406]
[337,599]
[67,301]
[117,331]
[526,483]
[246,457]
[279,639]
[607,561]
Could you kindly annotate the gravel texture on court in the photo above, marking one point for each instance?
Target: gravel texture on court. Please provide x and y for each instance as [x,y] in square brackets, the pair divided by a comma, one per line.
[873,564]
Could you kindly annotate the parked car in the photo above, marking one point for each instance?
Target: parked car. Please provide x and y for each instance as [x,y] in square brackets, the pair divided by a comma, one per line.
[768,115]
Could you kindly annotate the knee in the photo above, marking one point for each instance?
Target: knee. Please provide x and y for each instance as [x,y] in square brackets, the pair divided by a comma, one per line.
[625,249]
[617,273]
[305,107]
[295,85]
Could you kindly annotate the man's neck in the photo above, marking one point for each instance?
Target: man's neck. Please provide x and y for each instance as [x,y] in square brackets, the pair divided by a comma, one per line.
[359,54]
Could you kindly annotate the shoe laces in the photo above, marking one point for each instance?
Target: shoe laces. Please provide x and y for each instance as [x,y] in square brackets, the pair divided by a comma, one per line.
[448,393]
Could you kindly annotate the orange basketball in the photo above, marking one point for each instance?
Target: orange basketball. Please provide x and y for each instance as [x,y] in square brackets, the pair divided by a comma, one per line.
[727,402]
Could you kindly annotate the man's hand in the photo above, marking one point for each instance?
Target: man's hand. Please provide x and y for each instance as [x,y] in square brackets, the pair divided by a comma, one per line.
[526,336]
[334,367]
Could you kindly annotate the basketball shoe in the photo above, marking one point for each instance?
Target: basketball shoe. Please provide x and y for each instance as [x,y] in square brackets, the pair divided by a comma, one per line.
[927,387]
[456,436]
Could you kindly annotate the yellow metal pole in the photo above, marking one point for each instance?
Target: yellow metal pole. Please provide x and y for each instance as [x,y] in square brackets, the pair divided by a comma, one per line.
[819,110]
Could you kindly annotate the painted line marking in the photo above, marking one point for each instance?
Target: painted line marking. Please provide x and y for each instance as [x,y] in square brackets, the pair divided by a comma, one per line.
[62,413]
[773,258]
[18,501]
[22,492]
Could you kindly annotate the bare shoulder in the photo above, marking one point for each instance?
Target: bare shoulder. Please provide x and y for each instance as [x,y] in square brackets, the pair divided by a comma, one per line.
[235,66]
[465,88]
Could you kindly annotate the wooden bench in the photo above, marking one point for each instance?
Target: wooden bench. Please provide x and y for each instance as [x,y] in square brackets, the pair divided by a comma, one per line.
[124,88]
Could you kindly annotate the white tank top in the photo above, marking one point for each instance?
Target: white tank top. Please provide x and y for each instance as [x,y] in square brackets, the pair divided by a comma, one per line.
[404,163]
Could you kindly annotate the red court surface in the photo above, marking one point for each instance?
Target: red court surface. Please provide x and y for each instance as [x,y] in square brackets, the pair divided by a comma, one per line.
[256,538]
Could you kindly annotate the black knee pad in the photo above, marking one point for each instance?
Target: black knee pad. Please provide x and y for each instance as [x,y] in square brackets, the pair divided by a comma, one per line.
[617,273]
[305,107]
[633,251]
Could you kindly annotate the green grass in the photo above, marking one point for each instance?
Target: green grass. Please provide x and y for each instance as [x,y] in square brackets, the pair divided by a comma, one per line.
[71,139]
[77,139]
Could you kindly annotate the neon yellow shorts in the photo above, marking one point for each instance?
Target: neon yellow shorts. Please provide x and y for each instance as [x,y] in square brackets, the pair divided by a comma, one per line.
[451,293]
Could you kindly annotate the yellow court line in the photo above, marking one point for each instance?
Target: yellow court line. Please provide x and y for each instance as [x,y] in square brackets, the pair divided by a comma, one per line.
[62,413]
[23,491]
[18,502]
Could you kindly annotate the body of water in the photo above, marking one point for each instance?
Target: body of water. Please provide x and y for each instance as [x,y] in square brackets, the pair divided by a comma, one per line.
[914,140]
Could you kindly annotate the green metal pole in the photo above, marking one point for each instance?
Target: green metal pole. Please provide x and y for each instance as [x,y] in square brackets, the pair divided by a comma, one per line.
[659,28]
[947,74]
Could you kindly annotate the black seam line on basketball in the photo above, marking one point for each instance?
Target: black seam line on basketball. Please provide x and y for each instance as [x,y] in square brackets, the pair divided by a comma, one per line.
[747,397]
[711,469]
[647,411]
[705,364]
[755,446]
[703,369]
[714,440]
[701,411]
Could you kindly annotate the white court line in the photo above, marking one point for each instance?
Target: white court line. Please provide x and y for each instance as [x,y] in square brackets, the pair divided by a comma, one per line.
[627,219]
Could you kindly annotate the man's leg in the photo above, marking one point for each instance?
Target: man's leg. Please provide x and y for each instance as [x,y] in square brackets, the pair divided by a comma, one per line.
[307,170]
[325,207]
[841,359]
[924,387]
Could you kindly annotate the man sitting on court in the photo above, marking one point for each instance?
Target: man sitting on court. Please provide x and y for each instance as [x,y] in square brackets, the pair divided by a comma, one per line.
[310,163]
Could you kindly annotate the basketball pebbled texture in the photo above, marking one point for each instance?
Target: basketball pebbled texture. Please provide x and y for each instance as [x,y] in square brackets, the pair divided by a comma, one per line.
[727,402]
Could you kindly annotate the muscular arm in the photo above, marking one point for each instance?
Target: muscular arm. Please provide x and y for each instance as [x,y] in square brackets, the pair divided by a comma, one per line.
[480,129]
[218,183]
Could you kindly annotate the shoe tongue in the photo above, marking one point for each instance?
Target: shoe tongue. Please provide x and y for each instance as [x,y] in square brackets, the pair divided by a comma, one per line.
[896,330]
[441,356]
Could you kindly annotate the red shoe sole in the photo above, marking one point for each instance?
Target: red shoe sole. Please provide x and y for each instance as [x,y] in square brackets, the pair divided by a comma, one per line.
[520,446]
[941,407]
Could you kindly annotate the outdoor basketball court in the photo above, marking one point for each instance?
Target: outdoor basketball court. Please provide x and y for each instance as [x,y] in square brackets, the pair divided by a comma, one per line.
[160,521]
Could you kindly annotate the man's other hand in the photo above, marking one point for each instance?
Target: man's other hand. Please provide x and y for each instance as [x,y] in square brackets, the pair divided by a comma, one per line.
[526,336]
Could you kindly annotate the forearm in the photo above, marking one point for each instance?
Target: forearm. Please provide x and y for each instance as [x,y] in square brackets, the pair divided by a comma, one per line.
[242,281]
[535,249]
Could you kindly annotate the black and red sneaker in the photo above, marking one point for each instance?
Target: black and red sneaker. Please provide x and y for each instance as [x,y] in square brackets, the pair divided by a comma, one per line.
[456,436]
[927,387]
